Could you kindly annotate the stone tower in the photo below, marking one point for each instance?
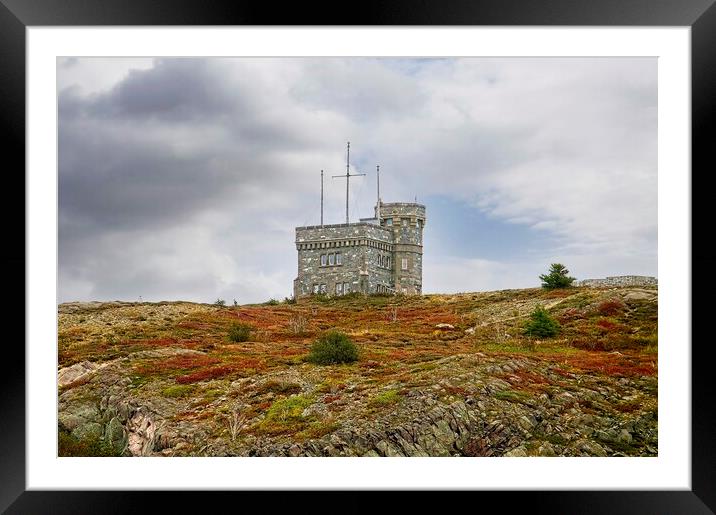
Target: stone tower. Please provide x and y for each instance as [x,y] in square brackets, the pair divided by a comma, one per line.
[383,254]
[406,222]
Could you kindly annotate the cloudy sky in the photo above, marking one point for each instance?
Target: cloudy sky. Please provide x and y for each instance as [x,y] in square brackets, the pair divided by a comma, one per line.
[184,178]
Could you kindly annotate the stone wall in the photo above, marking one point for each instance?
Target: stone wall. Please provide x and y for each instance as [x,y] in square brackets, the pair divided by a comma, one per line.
[333,232]
[408,221]
[371,253]
[620,280]
[358,245]
[380,262]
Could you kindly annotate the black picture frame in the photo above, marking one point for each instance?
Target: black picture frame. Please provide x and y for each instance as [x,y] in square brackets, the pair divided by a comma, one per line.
[17,15]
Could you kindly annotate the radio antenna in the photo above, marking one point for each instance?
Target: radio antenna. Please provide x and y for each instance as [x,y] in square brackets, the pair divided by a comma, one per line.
[348,175]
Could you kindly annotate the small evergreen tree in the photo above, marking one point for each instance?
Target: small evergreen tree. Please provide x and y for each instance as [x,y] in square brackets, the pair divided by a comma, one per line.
[557,277]
[541,324]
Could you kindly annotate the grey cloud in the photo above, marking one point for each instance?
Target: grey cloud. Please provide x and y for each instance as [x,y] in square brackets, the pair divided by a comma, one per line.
[115,181]
[173,90]
[159,167]
[187,177]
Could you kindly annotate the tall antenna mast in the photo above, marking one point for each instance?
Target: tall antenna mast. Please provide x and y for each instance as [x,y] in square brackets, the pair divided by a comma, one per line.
[321,198]
[377,174]
[348,175]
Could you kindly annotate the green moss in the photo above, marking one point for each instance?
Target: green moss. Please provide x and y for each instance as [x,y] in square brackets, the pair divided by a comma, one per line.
[385,398]
[286,416]
[288,409]
[331,385]
[212,393]
[280,387]
[552,438]
[514,396]
[424,367]
[138,381]
[180,390]
[317,430]
[69,445]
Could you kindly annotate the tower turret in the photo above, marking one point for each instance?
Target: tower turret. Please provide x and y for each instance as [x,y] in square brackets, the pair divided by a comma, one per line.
[406,220]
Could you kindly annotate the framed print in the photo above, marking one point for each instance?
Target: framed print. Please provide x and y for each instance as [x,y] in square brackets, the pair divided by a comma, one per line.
[482,129]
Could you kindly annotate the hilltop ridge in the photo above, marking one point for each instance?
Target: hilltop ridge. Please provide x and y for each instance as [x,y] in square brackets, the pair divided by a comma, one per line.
[438,375]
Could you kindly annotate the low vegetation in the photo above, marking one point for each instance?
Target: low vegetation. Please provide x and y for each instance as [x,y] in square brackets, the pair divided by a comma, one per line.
[290,371]
[239,332]
[177,390]
[385,398]
[286,415]
[89,445]
[332,348]
[541,324]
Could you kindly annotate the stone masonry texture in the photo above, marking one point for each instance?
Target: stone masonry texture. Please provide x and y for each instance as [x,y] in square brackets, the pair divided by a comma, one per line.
[620,280]
[382,254]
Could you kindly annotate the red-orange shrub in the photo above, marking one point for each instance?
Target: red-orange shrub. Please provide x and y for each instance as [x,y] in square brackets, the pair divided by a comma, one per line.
[207,373]
[607,325]
[571,314]
[610,307]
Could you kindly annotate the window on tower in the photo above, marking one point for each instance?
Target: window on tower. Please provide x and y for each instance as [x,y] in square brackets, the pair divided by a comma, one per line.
[388,221]
[404,263]
[323,260]
[331,259]
[339,258]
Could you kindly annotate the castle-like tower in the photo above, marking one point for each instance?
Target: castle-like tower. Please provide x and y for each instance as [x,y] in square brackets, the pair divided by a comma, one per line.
[383,254]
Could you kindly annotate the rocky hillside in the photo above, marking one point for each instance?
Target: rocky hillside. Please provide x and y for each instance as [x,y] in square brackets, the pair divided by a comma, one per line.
[438,375]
